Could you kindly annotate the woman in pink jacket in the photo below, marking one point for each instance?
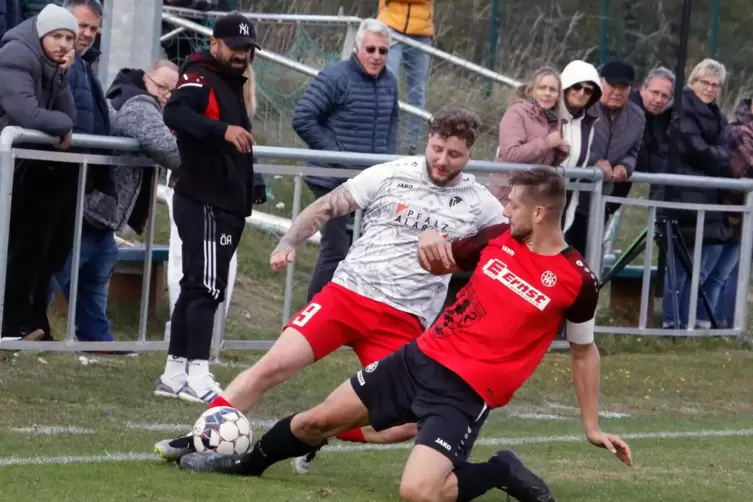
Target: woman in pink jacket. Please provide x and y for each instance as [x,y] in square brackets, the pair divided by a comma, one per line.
[530,130]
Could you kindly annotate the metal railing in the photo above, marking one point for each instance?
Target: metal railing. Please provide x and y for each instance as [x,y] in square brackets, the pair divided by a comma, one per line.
[9,154]
[280,59]
[350,21]
[739,327]
[589,180]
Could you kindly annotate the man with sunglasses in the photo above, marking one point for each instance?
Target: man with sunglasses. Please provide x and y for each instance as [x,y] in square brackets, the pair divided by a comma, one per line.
[350,106]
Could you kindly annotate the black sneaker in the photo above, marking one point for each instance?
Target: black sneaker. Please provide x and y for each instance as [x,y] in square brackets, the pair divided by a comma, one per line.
[519,481]
[173,450]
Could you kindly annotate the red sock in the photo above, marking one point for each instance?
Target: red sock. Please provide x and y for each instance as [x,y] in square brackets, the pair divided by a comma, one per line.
[353,435]
[219,401]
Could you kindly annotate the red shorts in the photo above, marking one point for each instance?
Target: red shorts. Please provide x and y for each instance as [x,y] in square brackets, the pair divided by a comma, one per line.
[337,316]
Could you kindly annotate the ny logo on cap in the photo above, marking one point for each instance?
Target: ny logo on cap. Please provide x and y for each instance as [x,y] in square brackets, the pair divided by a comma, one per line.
[244,29]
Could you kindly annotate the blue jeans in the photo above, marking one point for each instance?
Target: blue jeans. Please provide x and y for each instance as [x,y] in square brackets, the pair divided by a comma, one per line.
[99,253]
[416,64]
[717,263]
[725,307]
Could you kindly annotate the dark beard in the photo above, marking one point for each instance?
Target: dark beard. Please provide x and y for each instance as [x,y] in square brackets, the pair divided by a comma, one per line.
[229,68]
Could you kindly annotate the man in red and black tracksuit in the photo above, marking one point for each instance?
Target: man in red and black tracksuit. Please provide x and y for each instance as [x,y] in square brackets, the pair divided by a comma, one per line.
[213,196]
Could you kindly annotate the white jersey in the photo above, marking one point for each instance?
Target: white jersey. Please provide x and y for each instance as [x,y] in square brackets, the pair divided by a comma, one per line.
[399,202]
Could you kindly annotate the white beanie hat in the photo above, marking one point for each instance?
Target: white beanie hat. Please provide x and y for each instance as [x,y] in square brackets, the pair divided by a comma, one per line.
[53,18]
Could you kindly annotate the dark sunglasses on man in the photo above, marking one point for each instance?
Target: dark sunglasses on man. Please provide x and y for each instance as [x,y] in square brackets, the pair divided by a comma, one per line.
[382,50]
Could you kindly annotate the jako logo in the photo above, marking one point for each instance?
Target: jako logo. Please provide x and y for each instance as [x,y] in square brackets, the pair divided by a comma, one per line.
[443,444]
[226,240]
[455,201]
[499,271]
[508,250]
[405,185]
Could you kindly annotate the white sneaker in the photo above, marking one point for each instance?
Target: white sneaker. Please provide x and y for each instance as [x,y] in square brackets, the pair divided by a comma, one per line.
[167,388]
[301,465]
[201,390]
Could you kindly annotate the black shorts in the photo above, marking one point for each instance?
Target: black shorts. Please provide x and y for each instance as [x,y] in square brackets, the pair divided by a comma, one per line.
[409,387]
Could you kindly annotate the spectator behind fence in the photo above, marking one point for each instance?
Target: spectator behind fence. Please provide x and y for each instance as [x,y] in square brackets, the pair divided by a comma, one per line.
[175,256]
[34,94]
[700,149]
[530,129]
[655,98]
[92,114]
[98,252]
[739,134]
[349,107]
[213,196]
[413,19]
[136,101]
[582,90]
[617,140]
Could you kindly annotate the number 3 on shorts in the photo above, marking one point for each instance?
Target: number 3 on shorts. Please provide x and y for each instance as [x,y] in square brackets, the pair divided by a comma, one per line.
[306,314]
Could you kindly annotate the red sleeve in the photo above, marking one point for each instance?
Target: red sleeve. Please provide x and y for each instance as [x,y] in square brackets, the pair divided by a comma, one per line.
[583,308]
[467,251]
[192,109]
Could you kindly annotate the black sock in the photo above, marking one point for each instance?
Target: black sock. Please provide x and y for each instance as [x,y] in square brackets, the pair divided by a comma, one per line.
[277,444]
[476,479]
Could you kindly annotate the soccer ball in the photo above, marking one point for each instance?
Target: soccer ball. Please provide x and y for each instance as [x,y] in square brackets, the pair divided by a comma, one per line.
[224,430]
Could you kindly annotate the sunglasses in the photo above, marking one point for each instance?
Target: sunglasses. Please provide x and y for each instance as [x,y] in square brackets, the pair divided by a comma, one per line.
[586,90]
[382,50]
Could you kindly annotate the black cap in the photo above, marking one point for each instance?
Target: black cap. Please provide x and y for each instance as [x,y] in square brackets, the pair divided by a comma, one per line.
[617,72]
[236,31]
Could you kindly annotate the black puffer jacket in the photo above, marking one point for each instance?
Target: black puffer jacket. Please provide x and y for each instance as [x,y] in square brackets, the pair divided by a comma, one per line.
[701,150]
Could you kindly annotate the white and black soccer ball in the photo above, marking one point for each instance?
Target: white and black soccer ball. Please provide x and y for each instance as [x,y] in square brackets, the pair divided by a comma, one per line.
[224,430]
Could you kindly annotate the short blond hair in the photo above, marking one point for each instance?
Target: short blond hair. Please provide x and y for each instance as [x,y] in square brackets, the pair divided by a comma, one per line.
[708,68]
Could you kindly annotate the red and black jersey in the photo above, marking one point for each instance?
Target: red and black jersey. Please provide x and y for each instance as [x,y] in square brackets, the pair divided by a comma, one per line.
[207,99]
[506,317]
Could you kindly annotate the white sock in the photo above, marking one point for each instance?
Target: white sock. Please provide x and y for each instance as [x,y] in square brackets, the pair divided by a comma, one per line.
[197,369]
[175,369]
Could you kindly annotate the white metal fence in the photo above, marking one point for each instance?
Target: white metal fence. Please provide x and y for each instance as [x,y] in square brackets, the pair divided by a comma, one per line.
[589,181]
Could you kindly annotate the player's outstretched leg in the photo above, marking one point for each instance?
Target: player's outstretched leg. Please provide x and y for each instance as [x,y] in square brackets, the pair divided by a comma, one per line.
[290,437]
[431,475]
[288,356]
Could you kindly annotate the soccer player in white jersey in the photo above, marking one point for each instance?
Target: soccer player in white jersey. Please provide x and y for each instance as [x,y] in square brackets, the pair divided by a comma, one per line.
[379,298]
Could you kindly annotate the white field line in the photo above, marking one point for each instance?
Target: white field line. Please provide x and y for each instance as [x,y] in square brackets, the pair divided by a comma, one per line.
[188,427]
[502,441]
[45,430]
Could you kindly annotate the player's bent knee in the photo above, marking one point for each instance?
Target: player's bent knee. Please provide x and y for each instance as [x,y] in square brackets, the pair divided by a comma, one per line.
[317,423]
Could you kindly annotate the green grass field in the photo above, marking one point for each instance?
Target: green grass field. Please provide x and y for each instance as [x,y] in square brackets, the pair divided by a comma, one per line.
[106,422]
[75,432]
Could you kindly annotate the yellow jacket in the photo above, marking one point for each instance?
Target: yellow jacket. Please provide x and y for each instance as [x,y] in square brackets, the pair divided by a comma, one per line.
[411,17]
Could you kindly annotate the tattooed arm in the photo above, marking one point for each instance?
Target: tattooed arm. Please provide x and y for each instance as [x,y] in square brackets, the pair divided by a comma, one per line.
[338,202]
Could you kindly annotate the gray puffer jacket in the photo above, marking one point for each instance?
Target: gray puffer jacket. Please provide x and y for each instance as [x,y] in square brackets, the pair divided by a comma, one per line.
[136,114]
[34,91]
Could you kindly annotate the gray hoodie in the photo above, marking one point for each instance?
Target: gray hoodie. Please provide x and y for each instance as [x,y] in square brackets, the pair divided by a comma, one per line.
[34,91]
[134,113]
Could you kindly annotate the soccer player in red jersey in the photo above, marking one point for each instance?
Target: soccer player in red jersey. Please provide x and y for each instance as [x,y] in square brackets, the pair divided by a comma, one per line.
[526,282]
